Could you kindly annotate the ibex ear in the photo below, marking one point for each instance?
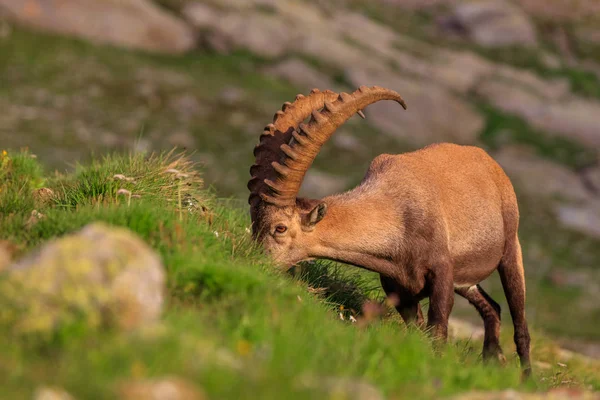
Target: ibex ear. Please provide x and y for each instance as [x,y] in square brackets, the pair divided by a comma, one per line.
[315,215]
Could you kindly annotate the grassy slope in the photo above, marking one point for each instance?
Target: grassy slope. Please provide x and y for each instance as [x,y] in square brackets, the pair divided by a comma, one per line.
[234,325]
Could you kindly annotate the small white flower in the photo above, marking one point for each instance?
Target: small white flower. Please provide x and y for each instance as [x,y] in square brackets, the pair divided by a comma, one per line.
[341,316]
[216,233]
[352,318]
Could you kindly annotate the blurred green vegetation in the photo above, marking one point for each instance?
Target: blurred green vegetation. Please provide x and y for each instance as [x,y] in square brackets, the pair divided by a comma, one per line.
[233,324]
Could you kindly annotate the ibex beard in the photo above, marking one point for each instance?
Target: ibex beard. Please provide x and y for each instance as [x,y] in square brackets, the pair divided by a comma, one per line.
[432,222]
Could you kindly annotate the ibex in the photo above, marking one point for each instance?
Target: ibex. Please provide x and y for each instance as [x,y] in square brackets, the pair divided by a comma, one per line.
[432,222]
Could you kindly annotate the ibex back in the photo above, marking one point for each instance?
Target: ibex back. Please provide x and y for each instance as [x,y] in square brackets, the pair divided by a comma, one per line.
[432,223]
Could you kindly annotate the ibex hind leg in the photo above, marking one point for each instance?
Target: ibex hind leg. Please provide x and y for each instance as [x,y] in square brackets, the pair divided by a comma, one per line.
[513,281]
[490,313]
[407,306]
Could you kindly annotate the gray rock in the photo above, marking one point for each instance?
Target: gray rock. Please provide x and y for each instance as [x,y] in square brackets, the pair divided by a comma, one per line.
[539,176]
[572,117]
[128,23]
[494,23]
[460,71]
[334,52]
[575,206]
[100,276]
[433,114]
[582,218]
[263,34]
[550,90]
[301,75]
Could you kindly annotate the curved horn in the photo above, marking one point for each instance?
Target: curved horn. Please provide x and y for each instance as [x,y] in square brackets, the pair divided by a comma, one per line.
[307,139]
[285,122]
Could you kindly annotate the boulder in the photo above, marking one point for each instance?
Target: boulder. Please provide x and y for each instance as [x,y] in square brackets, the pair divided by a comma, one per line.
[539,176]
[548,89]
[493,23]
[301,75]
[135,24]
[459,71]
[572,117]
[584,219]
[433,114]
[575,205]
[262,34]
[99,277]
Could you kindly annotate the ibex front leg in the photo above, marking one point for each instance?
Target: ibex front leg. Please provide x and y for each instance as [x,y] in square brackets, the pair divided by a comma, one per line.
[407,306]
[441,300]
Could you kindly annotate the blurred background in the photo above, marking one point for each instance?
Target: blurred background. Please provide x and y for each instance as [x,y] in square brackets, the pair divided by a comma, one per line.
[79,78]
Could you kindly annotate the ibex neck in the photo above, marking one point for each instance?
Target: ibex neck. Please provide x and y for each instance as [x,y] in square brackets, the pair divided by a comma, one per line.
[358,231]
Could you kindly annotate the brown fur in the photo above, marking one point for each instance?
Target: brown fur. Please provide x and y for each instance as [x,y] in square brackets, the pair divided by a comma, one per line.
[431,222]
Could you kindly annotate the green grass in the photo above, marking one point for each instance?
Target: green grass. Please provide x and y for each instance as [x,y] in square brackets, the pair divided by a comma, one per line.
[234,325]
[19,176]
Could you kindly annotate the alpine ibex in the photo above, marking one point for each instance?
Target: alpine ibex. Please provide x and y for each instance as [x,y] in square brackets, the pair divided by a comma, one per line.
[432,222]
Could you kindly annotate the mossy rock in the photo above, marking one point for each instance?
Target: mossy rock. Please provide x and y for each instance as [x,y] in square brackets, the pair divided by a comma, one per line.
[100,277]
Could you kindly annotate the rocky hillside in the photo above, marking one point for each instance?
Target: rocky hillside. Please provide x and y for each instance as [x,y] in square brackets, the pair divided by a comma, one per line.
[521,79]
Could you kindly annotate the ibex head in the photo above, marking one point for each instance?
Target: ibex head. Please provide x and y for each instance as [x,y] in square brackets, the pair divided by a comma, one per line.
[286,225]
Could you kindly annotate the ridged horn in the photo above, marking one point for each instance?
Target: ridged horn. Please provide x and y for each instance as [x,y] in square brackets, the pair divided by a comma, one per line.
[276,134]
[299,154]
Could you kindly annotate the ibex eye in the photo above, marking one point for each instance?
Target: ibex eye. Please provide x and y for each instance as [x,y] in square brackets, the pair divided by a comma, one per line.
[280,228]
